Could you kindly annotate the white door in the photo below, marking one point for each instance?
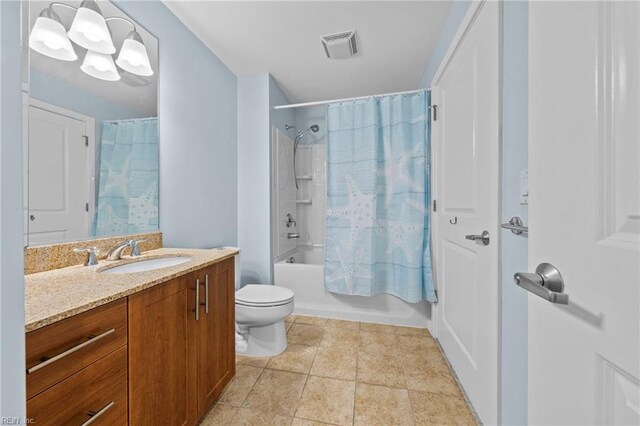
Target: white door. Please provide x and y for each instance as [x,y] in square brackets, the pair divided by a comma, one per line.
[58,177]
[584,211]
[466,134]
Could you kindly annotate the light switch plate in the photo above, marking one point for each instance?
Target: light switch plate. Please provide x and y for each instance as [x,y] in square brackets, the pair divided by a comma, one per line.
[524,187]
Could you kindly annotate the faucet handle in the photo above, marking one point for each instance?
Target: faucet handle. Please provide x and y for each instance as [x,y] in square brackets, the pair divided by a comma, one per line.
[135,250]
[92,254]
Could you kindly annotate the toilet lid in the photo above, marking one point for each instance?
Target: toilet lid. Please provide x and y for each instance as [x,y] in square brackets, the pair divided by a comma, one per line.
[263,294]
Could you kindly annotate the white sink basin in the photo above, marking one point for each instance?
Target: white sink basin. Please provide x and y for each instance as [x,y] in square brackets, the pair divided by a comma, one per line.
[146,265]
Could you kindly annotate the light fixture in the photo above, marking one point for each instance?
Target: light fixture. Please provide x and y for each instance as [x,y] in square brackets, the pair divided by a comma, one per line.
[133,56]
[89,29]
[100,65]
[49,37]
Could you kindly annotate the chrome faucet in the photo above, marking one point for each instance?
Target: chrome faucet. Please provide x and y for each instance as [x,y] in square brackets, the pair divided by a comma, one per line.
[291,235]
[289,221]
[116,252]
[92,255]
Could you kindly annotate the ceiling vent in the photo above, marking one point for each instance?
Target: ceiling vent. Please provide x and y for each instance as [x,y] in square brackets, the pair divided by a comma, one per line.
[340,45]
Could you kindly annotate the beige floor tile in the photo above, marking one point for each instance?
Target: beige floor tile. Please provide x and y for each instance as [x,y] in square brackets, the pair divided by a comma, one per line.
[411,331]
[335,362]
[305,334]
[239,387]
[252,361]
[276,392]
[248,417]
[381,369]
[336,323]
[342,337]
[287,325]
[304,319]
[377,328]
[430,380]
[327,400]
[386,343]
[380,405]
[305,422]
[290,318]
[219,415]
[436,409]
[411,344]
[297,359]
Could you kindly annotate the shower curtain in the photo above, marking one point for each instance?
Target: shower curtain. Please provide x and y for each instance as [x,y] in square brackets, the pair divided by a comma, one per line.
[128,187]
[378,198]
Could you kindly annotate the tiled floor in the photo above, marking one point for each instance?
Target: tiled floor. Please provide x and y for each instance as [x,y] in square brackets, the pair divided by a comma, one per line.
[344,373]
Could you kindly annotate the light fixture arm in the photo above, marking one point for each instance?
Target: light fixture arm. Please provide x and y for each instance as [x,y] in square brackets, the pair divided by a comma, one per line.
[89,4]
[119,18]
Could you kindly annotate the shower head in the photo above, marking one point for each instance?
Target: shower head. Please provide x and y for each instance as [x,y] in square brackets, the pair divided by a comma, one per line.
[314,128]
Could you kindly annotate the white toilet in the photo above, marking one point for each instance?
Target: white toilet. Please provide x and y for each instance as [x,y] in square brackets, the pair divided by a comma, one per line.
[260,313]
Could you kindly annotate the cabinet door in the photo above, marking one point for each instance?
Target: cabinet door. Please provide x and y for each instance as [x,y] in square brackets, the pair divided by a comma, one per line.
[162,356]
[216,332]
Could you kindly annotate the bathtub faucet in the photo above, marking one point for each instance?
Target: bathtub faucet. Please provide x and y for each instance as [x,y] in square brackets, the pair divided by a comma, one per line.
[291,235]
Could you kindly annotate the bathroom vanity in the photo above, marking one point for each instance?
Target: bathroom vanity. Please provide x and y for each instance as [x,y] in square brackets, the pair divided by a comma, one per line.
[152,347]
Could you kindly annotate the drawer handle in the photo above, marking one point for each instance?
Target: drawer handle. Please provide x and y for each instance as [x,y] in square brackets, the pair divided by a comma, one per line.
[206,294]
[94,416]
[92,339]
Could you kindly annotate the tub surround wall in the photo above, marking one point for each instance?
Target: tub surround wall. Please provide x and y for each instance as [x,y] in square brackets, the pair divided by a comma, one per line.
[311,209]
[283,194]
[56,256]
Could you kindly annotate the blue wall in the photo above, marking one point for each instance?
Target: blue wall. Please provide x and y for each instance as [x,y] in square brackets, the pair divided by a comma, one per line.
[513,337]
[257,95]
[197,107]
[305,117]
[254,169]
[12,355]
[447,33]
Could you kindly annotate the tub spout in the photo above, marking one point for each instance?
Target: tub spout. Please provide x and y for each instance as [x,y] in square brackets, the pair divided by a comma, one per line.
[291,235]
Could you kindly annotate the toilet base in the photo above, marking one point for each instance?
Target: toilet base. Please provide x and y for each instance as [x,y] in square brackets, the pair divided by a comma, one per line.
[265,341]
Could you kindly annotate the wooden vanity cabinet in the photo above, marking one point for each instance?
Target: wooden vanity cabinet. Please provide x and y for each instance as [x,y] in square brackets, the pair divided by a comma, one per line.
[215,332]
[162,354]
[180,358]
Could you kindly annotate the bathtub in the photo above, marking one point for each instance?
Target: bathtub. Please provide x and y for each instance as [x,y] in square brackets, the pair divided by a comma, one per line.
[305,276]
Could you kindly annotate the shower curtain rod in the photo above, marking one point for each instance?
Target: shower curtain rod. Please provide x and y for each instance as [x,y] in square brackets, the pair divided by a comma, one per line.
[308,104]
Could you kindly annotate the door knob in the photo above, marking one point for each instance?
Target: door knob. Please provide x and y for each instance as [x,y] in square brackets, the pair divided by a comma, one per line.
[546,282]
[485,238]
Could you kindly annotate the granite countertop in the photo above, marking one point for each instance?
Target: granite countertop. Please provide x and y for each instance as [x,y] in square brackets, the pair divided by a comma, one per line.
[58,294]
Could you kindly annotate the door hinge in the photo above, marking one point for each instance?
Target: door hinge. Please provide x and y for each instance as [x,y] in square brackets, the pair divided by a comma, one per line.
[434,205]
[86,207]
[434,112]
[86,140]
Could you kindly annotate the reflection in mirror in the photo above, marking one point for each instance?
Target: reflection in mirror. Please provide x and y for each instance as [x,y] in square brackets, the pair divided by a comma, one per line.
[91,126]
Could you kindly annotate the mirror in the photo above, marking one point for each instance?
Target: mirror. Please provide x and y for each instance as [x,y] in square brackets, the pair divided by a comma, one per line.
[91,122]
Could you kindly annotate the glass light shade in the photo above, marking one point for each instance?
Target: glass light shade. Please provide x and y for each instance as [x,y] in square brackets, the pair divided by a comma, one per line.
[100,65]
[133,58]
[50,38]
[89,30]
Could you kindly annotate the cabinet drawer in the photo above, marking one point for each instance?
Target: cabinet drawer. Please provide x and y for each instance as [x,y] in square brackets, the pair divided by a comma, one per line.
[59,350]
[96,395]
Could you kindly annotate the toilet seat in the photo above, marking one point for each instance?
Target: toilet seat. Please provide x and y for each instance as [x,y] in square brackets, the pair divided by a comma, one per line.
[263,295]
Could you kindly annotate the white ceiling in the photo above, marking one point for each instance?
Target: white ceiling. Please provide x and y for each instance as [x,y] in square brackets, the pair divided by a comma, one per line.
[395,39]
